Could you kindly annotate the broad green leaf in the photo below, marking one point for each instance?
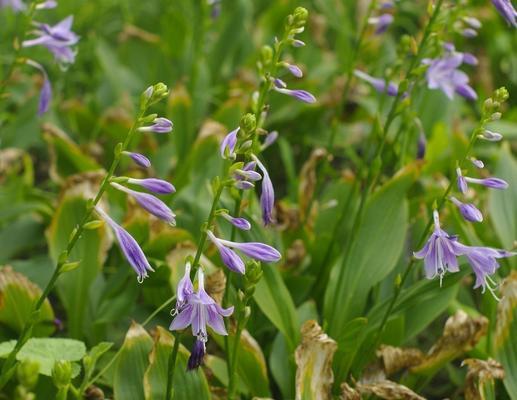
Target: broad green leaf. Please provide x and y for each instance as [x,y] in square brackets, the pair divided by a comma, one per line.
[220,370]
[503,203]
[186,384]
[46,351]
[375,251]
[17,296]
[128,381]
[276,303]
[91,248]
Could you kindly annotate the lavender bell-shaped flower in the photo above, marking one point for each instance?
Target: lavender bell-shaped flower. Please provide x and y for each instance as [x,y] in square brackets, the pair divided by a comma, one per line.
[158,186]
[130,248]
[302,95]
[46,89]
[138,158]
[507,11]
[492,183]
[228,144]
[468,211]
[160,125]
[443,74]
[391,89]
[150,203]
[267,197]
[239,222]
[58,39]
[440,252]
[198,311]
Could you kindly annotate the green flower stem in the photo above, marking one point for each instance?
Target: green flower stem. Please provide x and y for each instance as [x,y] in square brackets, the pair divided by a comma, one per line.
[171,366]
[10,363]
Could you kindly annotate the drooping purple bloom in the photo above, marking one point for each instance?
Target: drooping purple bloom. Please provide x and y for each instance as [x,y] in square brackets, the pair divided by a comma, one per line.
[381,23]
[391,89]
[443,74]
[301,95]
[271,138]
[130,248]
[507,11]
[229,257]
[198,352]
[477,163]
[16,5]
[294,70]
[491,136]
[256,250]
[160,125]
[492,183]
[469,211]
[267,197]
[139,159]
[461,182]
[184,289]
[58,39]
[440,252]
[150,203]
[228,144]
[199,311]
[158,186]
[238,222]
[46,89]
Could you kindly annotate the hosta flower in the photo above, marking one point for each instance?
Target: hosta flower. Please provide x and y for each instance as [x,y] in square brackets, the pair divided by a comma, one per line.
[443,74]
[58,39]
[440,252]
[255,250]
[507,11]
[492,183]
[472,22]
[379,85]
[460,181]
[477,163]
[160,125]
[197,311]
[185,288]
[16,5]
[138,158]
[150,203]
[381,23]
[469,211]
[46,89]
[228,144]
[267,197]
[294,70]
[491,136]
[158,186]
[302,95]
[239,222]
[271,138]
[130,248]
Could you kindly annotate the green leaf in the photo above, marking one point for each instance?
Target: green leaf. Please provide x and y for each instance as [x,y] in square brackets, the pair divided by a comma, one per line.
[376,249]
[90,250]
[132,364]
[276,303]
[502,203]
[17,296]
[46,351]
[186,384]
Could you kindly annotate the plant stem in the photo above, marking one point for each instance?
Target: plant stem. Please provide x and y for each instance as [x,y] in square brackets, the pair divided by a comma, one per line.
[172,366]
[10,362]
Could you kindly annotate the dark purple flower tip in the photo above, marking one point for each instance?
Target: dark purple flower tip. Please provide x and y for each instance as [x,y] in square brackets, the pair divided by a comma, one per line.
[150,203]
[492,183]
[197,355]
[381,23]
[467,92]
[461,181]
[507,11]
[267,197]
[158,186]
[468,211]
[138,158]
[227,148]
[421,146]
[477,163]
[160,125]
[129,246]
[238,222]
[294,70]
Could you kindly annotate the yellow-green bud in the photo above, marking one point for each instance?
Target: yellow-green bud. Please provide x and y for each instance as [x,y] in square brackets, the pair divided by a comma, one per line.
[27,373]
[248,123]
[300,15]
[62,373]
[266,54]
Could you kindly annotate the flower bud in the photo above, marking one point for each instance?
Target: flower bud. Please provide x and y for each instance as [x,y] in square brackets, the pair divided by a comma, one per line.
[266,54]
[300,16]
[62,373]
[27,373]
[248,123]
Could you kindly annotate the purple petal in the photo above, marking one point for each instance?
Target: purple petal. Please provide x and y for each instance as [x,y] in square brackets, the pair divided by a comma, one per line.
[155,185]
[228,144]
[196,356]
[257,251]
[139,159]
[183,319]
[267,197]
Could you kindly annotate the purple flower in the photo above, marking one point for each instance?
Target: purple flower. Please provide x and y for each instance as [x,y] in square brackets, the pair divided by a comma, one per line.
[229,257]
[248,175]
[378,84]
[491,136]
[469,211]
[16,5]
[477,163]
[185,288]
[239,223]
[130,248]
[470,59]
[244,185]
[381,23]
[228,144]
[492,183]
[443,74]
[46,89]
[199,311]
[267,197]
[440,252]
[270,139]
[483,261]
[158,186]
[461,182]
[138,158]
[469,33]
[198,350]
[472,22]
[294,70]
[58,39]
[507,10]
[160,125]
[421,146]
[150,203]
[301,95]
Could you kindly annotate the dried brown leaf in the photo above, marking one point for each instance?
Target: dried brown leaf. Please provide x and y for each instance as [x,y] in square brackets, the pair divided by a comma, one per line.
[395,358]
[505,309]
[349,393]
[308,180]
[480,373]
[314,376]
[388,390]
